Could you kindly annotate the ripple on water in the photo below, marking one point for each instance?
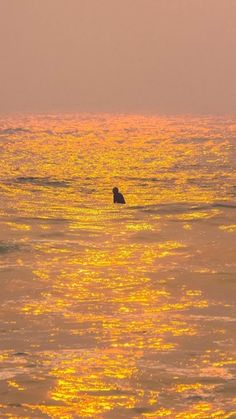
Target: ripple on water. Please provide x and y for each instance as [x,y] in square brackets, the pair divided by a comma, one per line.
[42,181]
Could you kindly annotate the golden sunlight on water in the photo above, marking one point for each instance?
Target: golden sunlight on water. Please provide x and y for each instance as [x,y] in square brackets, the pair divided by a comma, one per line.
[115,311]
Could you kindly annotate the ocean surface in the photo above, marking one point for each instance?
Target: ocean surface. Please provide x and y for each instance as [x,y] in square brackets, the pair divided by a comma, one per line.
[117,311]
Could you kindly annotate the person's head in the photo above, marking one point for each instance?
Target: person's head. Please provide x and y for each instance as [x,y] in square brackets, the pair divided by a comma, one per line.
[115,190]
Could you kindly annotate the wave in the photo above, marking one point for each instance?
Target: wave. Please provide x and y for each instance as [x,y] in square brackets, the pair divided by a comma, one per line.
[40,219]
[195,140]
[182,207]
[12,131]
[224,205]
[144,179]
[42,181]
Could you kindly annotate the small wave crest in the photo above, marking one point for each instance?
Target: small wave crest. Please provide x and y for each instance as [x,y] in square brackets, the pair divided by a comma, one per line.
[42,181]
[172,208]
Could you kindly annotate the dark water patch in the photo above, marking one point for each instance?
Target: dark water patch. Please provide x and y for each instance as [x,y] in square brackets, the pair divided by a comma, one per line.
[143,179]
[195,398]
[87,191]
[229,205]
[228,388]
[46,181]
[8,247]
[40,219]
[165,208]
[20,354]
[199,182]
[71,133]
[120,141]
[12,131]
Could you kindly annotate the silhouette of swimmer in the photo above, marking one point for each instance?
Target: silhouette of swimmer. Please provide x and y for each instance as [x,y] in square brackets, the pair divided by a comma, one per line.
[117,196]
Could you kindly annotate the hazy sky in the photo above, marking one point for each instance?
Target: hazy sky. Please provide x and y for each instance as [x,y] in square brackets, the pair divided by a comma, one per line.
[161,56]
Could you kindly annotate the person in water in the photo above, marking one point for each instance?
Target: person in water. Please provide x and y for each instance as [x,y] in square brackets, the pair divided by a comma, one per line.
[117,196]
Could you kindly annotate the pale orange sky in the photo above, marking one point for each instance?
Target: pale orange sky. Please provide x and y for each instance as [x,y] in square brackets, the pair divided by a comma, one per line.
[159,56]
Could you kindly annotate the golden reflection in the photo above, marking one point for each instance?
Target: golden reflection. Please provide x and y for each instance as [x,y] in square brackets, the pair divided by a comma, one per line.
[139,227]
[19,226]
[14,384]
[196,215]
[229,228]
[92,382]
[114,309]
[187,226]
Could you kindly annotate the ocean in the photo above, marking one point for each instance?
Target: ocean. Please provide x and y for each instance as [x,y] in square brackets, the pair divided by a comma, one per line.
[117,311]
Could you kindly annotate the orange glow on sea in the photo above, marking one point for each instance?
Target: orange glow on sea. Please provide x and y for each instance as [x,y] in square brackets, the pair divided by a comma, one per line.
[115,311]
